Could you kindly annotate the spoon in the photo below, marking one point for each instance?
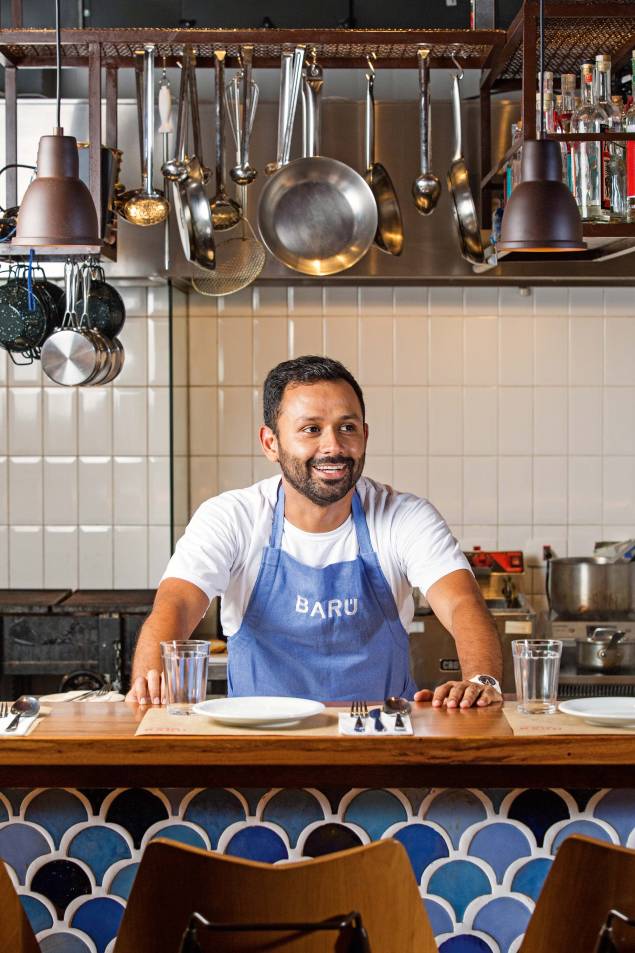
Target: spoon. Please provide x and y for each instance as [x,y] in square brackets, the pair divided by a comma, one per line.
[395,705]
[426,188]
[375,714]
[26,706]
[225,211]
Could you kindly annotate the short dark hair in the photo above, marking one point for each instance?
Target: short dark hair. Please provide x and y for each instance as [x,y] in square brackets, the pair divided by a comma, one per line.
[308,369]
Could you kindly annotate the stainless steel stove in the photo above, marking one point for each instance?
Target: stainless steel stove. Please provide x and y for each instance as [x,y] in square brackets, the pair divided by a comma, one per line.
[578,680]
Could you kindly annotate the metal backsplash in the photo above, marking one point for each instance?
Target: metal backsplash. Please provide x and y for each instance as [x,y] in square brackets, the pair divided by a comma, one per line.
[431,252]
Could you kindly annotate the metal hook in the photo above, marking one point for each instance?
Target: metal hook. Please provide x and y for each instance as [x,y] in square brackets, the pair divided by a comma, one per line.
[370,58]
[423,52]
[458,65]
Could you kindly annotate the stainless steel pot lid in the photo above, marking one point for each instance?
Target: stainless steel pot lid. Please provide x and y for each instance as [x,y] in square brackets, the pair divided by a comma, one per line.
[69,357]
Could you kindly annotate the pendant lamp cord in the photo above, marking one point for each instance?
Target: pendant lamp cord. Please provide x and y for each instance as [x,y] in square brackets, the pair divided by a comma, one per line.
[58,64]
[541,54]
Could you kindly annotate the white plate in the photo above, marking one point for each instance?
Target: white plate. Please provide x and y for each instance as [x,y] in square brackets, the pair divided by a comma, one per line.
[259,710]
[609,712]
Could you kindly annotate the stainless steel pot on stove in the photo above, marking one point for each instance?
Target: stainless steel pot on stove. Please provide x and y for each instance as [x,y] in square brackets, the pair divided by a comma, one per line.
[606,651]
[590,587]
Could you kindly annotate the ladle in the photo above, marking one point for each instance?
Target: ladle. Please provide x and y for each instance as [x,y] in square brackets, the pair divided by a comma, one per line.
[243,173]
[27,706]
[225,211]
[426,188]
[147,205]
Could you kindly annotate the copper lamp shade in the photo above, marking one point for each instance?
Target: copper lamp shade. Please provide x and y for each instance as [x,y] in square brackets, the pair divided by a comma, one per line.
[57,208]
[541,214]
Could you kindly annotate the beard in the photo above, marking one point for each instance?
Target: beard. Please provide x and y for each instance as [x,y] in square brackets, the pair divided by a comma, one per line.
[303,478]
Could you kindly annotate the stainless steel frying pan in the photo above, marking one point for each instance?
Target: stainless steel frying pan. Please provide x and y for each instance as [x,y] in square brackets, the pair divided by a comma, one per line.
[389,234]
[459,186]
[316,215]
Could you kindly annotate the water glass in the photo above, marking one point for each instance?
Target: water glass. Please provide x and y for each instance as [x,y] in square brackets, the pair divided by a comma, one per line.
[536,668]
[185,673]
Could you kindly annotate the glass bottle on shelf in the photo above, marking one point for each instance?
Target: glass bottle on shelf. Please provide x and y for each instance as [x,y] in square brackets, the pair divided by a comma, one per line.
[629,123]
[609,150]
[549,115]
[567,109]
[517,138]
[587,156]
[617,167]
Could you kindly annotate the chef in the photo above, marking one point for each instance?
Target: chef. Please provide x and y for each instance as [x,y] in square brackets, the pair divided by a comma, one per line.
[316,565]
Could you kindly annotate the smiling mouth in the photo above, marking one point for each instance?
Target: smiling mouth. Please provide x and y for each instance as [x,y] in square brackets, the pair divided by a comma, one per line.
[331,470]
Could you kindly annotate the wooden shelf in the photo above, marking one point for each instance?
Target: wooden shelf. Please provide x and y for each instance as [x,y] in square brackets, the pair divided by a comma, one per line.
[608,230]
[51,252]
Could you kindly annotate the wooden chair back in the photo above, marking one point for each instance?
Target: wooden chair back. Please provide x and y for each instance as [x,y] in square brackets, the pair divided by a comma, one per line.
[588,878]
[16,934]
[174,880]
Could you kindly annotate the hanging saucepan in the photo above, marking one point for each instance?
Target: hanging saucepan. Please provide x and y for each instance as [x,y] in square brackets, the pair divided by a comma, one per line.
[73,355]
[316,215]
[27,314]
[459,186]
[389,234]
[188,176]
[106,311]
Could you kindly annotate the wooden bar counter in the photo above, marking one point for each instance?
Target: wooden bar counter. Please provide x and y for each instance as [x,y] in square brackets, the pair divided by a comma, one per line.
[94,744]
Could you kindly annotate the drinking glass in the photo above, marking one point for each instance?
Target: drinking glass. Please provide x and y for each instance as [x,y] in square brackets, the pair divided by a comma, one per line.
[185,673]
[536,667]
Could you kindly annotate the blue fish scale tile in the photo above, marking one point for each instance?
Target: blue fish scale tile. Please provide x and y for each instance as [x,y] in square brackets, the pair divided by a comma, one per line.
[293,810]
[60,881]
[538,810]
[464,943]
[38,914]
[416,796]
[56,810]
[99,918]
[15,796]
[459,882]
[99,847]
[423,844]
[375,811]
[214,809]
[63,942]
[136,810]
[529,878]
[96,797]
[588,828]
[440,919]
[253,797]
[20,845]
[617,808]
[455,811]
[257,843]
[329,838]
[504,918]
[182,834]
[499,844]
[121,883]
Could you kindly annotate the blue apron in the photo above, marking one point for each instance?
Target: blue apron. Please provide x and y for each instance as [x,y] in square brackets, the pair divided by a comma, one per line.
[331,634]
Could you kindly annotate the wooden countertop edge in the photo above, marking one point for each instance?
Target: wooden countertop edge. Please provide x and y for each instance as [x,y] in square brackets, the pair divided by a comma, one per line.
[557,750]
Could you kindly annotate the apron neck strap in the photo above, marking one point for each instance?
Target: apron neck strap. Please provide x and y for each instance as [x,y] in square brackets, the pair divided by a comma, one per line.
[359,521]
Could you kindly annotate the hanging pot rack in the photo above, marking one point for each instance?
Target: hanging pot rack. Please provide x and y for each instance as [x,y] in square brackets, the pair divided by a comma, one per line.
[507,59]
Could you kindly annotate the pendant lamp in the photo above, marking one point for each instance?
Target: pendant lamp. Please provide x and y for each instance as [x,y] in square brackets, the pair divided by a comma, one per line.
[57,207]
[541,214]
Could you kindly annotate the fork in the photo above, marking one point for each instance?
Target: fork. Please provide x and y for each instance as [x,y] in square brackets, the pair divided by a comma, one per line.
[96,692]
[359,710]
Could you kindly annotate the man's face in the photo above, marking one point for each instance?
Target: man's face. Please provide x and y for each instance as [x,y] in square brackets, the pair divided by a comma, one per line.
[320,442]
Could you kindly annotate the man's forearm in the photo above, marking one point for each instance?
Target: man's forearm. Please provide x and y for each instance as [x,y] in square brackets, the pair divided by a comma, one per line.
[477,640]
[165,622]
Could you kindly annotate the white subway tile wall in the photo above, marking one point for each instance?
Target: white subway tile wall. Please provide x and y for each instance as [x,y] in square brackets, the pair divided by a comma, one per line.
[85,472]
[514,413]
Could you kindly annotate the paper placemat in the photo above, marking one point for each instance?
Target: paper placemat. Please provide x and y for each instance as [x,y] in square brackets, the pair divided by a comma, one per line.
[347,726]
[556,724]
[156,721]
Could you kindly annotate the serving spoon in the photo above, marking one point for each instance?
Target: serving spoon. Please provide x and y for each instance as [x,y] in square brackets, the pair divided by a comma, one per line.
[26,706]
[395,705]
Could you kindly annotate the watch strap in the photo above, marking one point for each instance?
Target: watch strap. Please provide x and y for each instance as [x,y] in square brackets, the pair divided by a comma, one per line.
[485,681]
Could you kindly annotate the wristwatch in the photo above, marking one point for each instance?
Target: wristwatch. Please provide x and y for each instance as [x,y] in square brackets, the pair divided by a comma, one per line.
[485,680]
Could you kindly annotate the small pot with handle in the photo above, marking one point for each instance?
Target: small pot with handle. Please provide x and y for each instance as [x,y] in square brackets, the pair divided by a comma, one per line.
[605,651]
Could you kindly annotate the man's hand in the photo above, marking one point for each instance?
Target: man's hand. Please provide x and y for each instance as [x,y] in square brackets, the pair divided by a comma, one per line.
[149,690]
[459,695]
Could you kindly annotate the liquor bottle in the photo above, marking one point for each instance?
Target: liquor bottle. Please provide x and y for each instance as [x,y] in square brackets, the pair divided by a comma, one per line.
[602,82]
[587,156]
[549,125]
[617,168]
[567,109]
[629,122]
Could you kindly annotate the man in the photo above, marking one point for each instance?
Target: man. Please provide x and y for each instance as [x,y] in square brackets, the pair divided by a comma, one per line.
[316,567]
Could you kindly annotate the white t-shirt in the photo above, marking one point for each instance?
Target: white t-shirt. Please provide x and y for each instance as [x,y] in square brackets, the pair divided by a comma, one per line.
[221,549]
